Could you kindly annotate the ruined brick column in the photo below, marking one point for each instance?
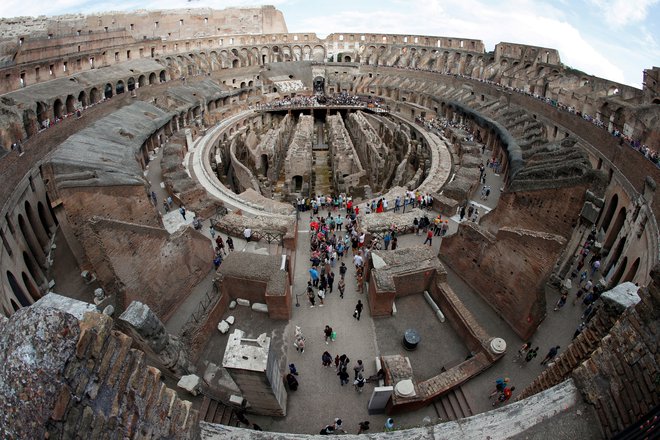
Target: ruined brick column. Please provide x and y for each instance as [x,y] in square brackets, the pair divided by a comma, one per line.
[149,333]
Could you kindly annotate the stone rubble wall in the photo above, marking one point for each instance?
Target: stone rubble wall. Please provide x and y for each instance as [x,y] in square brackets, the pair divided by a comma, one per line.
[298,160]
[274,143]
[169,263]
[370,148]
[620,379]
[346,166]
[69,378]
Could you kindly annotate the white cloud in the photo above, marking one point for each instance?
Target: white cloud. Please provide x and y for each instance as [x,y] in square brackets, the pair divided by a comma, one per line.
[524,22]
[561,25]
[619,13]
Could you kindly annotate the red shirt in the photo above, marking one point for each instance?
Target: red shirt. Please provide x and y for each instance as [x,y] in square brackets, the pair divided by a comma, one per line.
[429,234]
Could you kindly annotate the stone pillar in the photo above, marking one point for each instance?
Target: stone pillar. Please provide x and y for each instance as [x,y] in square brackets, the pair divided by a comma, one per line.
[254,367]
[149,333]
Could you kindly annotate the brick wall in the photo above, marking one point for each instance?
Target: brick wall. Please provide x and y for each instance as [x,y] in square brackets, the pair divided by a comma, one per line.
[279,305]
[508,269]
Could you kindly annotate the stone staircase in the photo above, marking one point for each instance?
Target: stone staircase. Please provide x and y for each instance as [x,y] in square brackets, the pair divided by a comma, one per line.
[213,411]
[452,405]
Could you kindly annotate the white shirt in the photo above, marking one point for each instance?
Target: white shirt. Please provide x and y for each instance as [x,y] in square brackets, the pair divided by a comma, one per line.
[247,233]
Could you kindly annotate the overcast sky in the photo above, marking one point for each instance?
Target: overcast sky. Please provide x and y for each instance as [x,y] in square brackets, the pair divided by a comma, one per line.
[613,39]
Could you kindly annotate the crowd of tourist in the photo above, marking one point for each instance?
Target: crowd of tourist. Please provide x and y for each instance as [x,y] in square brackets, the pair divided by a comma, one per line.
[318,100]
[635,144]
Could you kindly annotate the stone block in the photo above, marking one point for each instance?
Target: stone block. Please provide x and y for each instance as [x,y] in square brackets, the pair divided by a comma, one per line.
[232,305]
[230,320]
[243,302]
[191,383]
[235,400]
[223,327]
[590,212]
[260,307]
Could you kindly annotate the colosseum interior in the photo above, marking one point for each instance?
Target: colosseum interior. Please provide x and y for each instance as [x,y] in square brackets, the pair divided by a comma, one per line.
[131,141]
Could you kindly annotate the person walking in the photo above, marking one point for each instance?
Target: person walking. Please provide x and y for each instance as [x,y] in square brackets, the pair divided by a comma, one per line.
[551,355]
[531,354]
[341,286]
[429,237]
[363,426]
[504,396]
[562,301]
[343,376]
[358,368]
[331,281]
[230,244]
[359,383]
[182,211]
[212,231]
[358,310]
[342,270]
[500,384]
[328,333]
[522,352]
[389,424]
[321,295]
[394,243]
[311,296]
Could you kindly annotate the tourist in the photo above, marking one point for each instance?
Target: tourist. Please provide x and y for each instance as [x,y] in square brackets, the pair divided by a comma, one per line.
[562,301]
[230,244]
[342,271]
[247,233]
[212,231]
[386,240]
[169,202]
[522,352]
[310,295]
[343,376]
[293,370]
[504,396]
[500,384]
[166,206]
[359,383]
[220,244]
[389,425]
[327,332]
[338,426]
[326,359]
[364,427]
[341,286]
[358,310]
[429,237]
[182,211]
[314,276]
[551,354]
[531,354]
[331,280]
[321,295]
[358,368]
[292,382]
[394,243]
[594,267]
